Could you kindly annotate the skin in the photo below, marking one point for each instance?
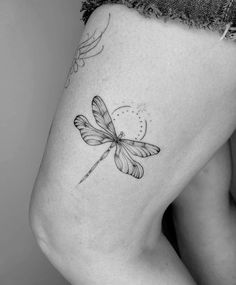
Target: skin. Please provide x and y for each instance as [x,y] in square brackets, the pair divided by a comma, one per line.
[107,230]
[205,218]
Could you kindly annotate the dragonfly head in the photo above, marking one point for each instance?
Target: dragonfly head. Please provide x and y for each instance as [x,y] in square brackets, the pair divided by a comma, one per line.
[121,135]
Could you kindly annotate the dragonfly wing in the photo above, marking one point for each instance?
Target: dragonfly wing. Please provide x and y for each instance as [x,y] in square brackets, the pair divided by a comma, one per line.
[102,115]
[139,148]
[126,164]
[89,134]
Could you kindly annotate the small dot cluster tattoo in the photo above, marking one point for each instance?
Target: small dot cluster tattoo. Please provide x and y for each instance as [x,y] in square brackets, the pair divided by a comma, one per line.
[142,122]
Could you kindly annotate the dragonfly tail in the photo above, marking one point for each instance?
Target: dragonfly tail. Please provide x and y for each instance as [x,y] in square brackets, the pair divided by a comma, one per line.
[104,155]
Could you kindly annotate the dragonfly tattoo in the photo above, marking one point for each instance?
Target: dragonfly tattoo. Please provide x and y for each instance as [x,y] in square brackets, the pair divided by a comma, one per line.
[125,148]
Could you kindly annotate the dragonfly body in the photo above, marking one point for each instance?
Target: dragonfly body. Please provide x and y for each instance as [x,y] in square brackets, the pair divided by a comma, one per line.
[125,148]
[104,155]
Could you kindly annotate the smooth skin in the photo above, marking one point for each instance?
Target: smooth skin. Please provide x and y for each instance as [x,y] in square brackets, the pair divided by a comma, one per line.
[205,221]
[107,230]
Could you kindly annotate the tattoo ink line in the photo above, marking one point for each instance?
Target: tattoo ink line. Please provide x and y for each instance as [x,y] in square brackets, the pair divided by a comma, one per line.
[105,154]
[125,106]
[83,52]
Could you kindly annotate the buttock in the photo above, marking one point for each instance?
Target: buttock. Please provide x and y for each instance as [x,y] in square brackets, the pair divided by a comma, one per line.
[215,15]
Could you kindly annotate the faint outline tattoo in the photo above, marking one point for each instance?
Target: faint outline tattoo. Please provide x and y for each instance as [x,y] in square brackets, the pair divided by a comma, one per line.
[125,148]
[138,113]
[86,50]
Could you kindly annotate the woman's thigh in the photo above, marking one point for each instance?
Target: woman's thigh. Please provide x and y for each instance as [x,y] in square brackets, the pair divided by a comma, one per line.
[169,89]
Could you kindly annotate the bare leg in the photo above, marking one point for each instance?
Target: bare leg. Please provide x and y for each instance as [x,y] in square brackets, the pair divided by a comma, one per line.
[205,223]
[182,83]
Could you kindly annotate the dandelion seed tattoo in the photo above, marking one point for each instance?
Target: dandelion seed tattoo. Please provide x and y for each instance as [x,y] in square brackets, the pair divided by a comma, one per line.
[125,148]
[87,49]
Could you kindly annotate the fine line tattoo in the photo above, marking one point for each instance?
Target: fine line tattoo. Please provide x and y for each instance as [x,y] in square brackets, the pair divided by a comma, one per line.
[125,148]
[86,49]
